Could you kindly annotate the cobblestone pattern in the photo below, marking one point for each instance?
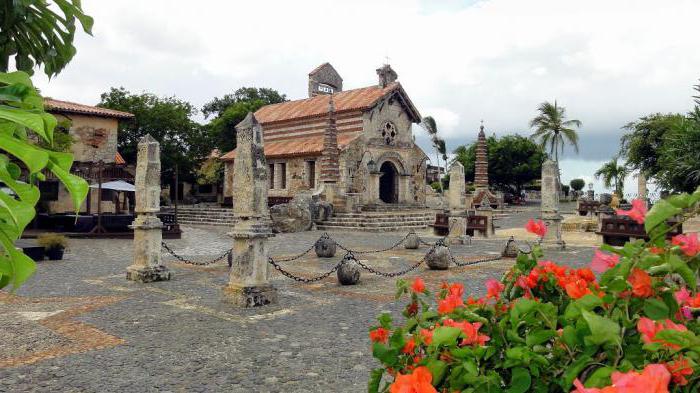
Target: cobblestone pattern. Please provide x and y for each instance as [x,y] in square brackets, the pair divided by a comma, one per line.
[178,336]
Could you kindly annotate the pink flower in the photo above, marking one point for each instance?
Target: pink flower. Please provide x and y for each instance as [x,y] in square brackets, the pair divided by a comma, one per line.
[602,261]
[682,296]
[637,213]
[689,243]
[653,379]
[494,288]
[537,227]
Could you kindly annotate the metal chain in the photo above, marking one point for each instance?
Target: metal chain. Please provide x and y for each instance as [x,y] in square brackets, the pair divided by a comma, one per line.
[468,263]
[392,274]
[359,252]
[289,259]
[304,279]
[182,259]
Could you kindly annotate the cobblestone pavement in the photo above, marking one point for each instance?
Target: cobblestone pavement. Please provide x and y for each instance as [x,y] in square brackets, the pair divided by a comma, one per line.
[79,325]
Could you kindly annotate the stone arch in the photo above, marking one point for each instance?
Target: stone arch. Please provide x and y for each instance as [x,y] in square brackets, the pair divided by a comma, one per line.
[395,159]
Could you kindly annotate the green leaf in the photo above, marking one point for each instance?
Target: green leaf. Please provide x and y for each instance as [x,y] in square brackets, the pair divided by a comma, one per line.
[437,368]
[662,211]
[375,378]
[445,335]
[679,266]
[599,378]
[384,354]
[539,336]
[33,158]
[78,188]
[603,330]
[520,381]
[33,121]
[573,370]
[656,309]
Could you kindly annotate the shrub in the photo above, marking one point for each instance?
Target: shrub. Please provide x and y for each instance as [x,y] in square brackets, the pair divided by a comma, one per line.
[550,328]
[577,184]
[52,241]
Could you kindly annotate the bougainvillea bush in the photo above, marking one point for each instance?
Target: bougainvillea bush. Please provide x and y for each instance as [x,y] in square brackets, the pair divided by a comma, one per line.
[544,327]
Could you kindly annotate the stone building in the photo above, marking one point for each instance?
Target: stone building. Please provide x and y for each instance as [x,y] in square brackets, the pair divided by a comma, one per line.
[357,142]
[94,148]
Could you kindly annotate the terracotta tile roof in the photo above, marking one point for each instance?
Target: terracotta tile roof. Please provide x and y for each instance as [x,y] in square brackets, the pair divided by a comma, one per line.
[348,100]
[296,147]
[118,159]
[59,106]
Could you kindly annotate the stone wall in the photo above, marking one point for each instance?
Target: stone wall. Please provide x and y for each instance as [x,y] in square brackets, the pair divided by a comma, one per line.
[94,138]
[297,176]
[64,203]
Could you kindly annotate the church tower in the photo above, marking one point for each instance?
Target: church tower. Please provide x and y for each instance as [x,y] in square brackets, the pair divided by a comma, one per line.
[324,79]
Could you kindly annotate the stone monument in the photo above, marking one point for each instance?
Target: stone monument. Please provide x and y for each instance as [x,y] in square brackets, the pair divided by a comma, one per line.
[148,229]
[456,191]
[249,284]
[550,205]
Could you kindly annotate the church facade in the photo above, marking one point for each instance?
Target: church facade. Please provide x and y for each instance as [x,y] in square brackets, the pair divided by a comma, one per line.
[358,141]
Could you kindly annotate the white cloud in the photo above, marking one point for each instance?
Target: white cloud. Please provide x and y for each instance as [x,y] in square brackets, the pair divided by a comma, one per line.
[608,62]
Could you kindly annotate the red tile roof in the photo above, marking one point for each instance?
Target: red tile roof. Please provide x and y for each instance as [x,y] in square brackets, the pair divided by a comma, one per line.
[118,159]
[302,146]
[59,106]
[348,100]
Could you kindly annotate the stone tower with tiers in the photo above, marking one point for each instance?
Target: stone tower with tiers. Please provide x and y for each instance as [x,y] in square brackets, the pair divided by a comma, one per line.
[481,168]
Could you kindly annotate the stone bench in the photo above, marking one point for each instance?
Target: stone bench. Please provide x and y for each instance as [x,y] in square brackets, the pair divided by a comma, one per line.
[618,230]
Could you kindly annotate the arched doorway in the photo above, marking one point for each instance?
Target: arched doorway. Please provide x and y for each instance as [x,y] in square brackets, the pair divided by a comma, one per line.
[389,183]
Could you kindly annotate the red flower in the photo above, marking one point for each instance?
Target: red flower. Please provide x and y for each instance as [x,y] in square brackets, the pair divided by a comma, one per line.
[426,335]
[656,250]
[689,243]
[648,329]
[470,330]
[653,379]
[641,283]
[418,285]
[379,335]
[637,213]
[577,288]
[602,261]
[409,347]
[586,274]
[679,368]
[456,289]
[494,288]
[448,304]
[537,227]
[412,309]
[417,382]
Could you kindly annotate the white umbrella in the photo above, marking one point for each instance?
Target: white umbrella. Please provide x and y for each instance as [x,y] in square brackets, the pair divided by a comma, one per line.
[116,185]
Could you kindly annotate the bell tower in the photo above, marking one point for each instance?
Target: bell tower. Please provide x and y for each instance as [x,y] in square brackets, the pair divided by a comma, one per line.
[324,79]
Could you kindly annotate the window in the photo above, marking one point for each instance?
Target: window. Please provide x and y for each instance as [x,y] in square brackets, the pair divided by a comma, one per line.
[272,176]
[388,131]
[325,88]
[311,173]
[283,175]
[48,190]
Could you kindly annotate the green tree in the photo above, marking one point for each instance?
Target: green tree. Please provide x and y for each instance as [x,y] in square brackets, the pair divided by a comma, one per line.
[231,109]
[169,121]
[644,139]
[22,121]
[613,175]
[577,184]
[38,33]
[428,123]
[519,161]
[679,156]
[553,130]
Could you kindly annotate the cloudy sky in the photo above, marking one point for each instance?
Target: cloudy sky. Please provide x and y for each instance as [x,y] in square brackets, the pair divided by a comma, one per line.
[608,62]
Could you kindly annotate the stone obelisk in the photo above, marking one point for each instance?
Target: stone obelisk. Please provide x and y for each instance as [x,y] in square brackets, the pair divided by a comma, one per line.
[481,166]
[550,205]
[249,284]
[455,194]
[147,265]
[330,168]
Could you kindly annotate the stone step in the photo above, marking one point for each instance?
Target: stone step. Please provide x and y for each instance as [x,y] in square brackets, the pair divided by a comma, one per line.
[383,215]
[382,219]
[374,224]
[322,227]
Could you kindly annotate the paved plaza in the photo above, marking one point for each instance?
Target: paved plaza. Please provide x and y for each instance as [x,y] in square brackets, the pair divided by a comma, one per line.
[79,325]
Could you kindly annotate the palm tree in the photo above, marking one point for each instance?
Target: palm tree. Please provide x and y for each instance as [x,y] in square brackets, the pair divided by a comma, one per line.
[613,175]
[429,124]
[553,130]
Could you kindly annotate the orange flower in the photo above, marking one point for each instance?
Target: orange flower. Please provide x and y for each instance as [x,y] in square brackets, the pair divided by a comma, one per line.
[427,336]
[649,328]
[379,335]
[653,379]
[470,330]
[637,213]
[577,288]
[537,227]
[494,288]
[418,285]
[641,283]
[679,368]
[409,347]
[456,289]
[448,304]
[417,382]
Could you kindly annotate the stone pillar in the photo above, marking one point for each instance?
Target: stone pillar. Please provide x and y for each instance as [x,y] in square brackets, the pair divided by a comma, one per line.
[373,187]
[457,230]
[642,192]
[455,194]
[249,284]
[550,205]
[147,265]
[481,166]
[405,194]
[278,176]
[487,211]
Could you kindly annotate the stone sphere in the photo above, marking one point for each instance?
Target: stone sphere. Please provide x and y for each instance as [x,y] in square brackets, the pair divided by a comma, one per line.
[325,247]
[412,242]
[511,249]
[349,273]
[438,258]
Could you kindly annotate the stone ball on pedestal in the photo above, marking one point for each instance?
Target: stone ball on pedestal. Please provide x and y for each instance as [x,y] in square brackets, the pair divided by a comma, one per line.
[348,272]
[325,247]
[412,241]
[438,258]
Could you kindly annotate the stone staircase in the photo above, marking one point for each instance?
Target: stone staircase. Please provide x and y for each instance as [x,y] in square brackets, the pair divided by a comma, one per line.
[379,221]
[217,216]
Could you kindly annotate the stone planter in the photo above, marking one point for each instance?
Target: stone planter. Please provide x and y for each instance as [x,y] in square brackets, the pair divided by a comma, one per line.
[412,242]
[55,254]
[438,258]
[349,272]
[325,247]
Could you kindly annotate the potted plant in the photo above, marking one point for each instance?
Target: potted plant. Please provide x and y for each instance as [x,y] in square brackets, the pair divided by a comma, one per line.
[54,244]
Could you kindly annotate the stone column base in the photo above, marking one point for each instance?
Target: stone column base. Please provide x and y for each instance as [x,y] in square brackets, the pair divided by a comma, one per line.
[250,296]
[146,274]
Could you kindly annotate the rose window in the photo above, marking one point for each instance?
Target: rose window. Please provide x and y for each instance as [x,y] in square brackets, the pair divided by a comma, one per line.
[389,132]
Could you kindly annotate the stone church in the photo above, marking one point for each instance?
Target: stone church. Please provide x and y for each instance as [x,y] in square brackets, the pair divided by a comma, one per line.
[358,142]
